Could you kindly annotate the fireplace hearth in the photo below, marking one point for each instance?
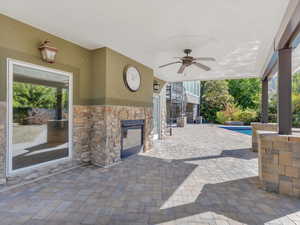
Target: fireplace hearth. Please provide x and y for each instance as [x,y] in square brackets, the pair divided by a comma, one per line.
[132,137]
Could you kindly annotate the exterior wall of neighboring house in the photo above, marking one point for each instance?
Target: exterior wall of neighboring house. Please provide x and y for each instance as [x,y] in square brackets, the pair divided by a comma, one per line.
[183,98]
[100,97]
[192,90]
[175,98]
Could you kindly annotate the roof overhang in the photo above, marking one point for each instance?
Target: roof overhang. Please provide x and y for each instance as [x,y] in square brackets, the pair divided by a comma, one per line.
[239,34]
[287,37]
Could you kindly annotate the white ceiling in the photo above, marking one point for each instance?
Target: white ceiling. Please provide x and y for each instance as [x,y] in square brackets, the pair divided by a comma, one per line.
[238,33]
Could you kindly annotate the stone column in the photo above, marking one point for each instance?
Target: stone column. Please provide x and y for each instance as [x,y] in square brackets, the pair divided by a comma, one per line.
[261,126]
[3,136]
[279,162]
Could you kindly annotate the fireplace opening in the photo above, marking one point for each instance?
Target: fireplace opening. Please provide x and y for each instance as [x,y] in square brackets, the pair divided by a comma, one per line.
[132,137]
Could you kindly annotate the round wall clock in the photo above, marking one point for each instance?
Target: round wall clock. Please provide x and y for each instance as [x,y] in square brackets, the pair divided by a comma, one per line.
[132,78]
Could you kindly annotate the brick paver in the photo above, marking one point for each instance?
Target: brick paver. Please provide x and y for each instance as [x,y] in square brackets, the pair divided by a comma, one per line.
[200,175]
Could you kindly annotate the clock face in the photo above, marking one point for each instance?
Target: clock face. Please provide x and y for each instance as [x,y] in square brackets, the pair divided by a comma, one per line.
[132,78]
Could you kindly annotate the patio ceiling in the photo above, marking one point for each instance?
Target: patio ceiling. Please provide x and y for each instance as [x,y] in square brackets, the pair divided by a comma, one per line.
[239,34]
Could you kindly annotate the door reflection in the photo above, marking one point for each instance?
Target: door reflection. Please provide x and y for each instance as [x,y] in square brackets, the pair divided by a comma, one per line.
[40,117]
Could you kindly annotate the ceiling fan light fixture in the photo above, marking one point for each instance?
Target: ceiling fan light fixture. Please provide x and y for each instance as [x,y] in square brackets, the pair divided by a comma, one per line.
[188,60]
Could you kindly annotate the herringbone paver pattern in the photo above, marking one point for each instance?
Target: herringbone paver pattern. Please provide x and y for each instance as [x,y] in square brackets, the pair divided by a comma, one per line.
[201,175]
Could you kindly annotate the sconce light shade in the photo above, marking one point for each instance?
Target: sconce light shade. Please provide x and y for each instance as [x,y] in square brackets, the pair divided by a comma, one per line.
[156,86]
[48,53]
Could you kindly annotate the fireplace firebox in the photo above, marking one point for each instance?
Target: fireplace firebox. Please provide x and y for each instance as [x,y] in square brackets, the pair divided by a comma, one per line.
[132,137]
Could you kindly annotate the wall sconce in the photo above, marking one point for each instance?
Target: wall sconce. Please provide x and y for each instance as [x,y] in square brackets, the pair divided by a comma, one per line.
[156,86]
[48,53]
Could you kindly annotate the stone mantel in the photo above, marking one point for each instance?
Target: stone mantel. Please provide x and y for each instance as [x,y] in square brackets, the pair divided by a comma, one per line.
[279,162]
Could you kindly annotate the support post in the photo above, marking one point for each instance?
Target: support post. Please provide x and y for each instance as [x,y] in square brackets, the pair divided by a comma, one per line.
[285,91]
[264,101]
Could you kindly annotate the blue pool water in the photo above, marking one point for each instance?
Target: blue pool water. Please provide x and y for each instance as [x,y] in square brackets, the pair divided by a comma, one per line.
[243,129]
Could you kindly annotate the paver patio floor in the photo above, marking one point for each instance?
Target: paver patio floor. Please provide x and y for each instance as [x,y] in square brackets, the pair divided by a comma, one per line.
[200,175]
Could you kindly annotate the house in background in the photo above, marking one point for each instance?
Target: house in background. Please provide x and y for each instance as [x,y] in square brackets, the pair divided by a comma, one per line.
[192,93]
[183,99]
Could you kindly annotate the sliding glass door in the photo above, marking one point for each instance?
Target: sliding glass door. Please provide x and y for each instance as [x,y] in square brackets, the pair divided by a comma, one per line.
[40,119]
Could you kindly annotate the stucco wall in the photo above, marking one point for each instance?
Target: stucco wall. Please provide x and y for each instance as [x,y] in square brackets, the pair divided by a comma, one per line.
[98,74]
[116,91]
[20,41]
[99,67]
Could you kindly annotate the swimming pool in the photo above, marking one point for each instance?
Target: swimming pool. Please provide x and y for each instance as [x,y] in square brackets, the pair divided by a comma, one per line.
[241,129]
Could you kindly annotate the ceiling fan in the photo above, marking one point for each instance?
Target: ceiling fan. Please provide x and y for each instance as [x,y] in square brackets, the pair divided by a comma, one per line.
[190,60]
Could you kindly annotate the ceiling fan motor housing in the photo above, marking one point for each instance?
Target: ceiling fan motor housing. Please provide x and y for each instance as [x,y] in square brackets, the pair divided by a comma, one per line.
[187,51]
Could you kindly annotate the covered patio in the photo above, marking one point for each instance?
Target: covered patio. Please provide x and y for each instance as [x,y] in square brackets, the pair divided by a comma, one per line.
[201,175]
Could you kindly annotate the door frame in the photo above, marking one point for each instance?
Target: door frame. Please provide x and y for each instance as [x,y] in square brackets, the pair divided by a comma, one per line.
[9,124]
[158,101]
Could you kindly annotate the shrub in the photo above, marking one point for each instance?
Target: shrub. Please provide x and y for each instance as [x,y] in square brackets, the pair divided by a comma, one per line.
[247,116]
[296,120]
[233,113]
[228,114]
[296,103]
[222,117]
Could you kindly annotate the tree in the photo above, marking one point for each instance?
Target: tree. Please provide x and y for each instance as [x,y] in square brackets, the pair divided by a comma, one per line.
[33,96]
[296,83]
[215,97]
[246,92]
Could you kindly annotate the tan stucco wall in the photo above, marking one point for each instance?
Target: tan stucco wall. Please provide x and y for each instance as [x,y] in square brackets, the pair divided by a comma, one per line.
[20,41]
[116,91]
[99,67]
[98,74]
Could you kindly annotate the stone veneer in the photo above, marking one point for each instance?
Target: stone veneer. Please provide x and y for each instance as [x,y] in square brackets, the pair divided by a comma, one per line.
[2,141]
[163,123]
[96,139]
[97,131]
[279,162]
[164,130]
[82,126]
[181,121]
[105,140]
[261,126]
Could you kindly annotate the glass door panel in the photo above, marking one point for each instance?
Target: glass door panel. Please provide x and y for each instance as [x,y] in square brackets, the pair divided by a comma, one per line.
[40,116]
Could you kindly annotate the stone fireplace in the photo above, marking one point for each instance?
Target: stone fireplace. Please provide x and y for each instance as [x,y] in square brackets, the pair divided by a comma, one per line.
[105,131]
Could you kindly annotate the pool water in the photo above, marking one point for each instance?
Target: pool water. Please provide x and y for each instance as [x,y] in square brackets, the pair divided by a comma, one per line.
[241,129]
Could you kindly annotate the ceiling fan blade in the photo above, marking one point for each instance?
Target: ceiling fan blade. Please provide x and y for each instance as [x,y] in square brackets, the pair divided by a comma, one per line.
[200,65]
[205,59]
[181,69]
[169,64]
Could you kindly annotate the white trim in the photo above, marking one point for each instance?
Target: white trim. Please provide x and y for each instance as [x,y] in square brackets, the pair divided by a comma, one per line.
[10,63]
[192,94]
[158,101]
